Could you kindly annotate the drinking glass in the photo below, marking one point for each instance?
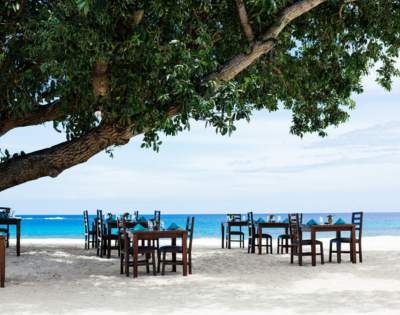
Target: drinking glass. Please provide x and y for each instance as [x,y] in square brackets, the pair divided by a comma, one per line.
[279,218]
[321,220]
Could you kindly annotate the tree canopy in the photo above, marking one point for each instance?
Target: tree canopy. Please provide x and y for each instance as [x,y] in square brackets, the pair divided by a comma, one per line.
[106,71]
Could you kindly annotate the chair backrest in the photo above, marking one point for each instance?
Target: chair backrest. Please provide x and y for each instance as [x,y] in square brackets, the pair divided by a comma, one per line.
[136,215]
[100,225]
[250,223]
[234,217]
[190,232]
[86,221]
[157,219]
[294,226]
[357,220]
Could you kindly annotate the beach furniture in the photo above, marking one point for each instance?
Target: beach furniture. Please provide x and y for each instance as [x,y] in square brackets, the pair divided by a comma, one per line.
[7,221]
[137,236]
[283,240]
[297,241]
[110,237]
[89,232]
[126,249]
[101,241]
[2,261]
[357,221]
[174,249]
[233,226]
[254,237]
[269,225]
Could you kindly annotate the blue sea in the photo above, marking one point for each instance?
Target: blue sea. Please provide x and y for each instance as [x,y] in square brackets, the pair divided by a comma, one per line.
[207,225]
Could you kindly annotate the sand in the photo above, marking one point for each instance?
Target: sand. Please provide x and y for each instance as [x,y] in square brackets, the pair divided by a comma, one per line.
[59,277]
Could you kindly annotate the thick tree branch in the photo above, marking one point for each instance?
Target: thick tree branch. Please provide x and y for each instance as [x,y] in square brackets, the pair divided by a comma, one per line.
[260,47]
[244,20]
[52,161]
[38,115]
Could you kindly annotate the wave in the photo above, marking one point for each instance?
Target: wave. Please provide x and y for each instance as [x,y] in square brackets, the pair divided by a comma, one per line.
[54,218]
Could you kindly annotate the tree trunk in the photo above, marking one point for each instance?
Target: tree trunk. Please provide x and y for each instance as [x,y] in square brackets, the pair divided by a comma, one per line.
[52,161]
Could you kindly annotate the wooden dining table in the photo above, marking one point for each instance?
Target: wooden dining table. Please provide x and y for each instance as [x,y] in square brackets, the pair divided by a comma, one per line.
[17,223]
[229,225]
[338,228]
[136,236]
[270,225]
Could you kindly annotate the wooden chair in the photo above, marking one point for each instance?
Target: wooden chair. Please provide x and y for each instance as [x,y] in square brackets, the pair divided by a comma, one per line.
[357,220]
[101,239]
[297,241]
[234,217]
[2,261]
[254,237]
[174,249]
[146,252]
[89,233]
[5,231]
[284,240]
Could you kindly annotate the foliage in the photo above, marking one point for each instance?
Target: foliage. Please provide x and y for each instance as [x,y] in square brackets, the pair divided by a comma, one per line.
[49,49]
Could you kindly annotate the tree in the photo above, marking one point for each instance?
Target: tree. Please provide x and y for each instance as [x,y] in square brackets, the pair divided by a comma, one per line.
[106,71]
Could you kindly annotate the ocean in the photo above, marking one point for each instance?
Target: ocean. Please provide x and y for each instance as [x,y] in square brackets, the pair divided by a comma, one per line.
[206,225]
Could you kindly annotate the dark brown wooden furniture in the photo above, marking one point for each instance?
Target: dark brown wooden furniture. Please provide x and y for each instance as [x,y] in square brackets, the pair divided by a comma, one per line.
[17,223]
[253,237]
[332,228]
[89,232]
[126,249]
[226,230]
[297,241]
[270,225]
[2,261]
[5,230]
[111,237]
[174,249]
[357,221]
[283,240]
[152,235]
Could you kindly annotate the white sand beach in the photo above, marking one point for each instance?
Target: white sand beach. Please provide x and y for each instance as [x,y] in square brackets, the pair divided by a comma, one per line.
[59,277]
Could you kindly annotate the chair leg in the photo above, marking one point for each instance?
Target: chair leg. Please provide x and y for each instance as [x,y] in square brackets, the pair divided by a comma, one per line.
[300,253]
[147,264]
[158,261]
[121,262]
[321,248]
[330,251]
[190,263]
[339,252]
[153,259]
[292,254]
[163,264]
[359,251]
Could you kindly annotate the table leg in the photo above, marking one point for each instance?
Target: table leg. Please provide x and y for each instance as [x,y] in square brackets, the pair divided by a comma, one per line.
[259,231]
[313,250]
[135,256]
[2,261]
[222,234]
[18,238]
[353,245]
[286,241]
[184,254]
[126,253]
[174,255]
[108,241]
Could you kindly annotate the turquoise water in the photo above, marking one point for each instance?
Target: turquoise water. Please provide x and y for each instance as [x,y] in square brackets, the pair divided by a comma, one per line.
[207,225]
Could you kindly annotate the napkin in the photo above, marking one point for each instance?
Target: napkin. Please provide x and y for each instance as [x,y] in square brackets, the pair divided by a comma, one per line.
[260,220]
[174,226]
[286,220]
[139,227]
[340,221]
[312,222]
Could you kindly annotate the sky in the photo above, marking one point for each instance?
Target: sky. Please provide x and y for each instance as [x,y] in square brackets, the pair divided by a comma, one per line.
[260,168]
